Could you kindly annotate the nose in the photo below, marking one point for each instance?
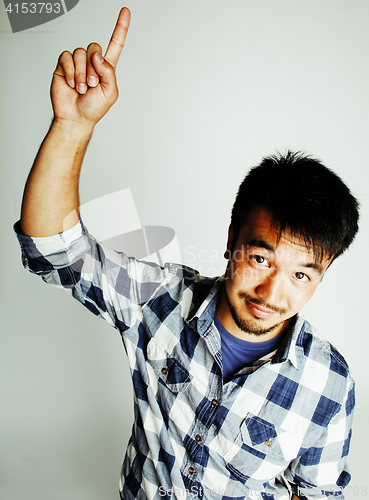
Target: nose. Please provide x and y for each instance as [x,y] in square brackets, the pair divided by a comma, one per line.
[271,289]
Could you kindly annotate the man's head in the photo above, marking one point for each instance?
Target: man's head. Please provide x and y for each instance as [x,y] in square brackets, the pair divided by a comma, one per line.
[291,218]
[304,198]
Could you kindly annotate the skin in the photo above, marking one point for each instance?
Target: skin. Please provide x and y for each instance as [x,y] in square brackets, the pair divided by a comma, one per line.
[83,89]
[267,281]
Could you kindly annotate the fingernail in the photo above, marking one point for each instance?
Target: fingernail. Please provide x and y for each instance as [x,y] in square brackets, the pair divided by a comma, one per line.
[82,88]
[99,57]
[92,81]
[72,83]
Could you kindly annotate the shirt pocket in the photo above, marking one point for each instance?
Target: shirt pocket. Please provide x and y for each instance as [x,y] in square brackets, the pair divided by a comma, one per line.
[169,378]
[261,451]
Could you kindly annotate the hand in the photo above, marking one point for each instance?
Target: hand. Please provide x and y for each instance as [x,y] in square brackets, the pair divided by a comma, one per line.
[84,84]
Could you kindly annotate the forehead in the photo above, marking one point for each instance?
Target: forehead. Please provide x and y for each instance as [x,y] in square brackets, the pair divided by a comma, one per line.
[259,231]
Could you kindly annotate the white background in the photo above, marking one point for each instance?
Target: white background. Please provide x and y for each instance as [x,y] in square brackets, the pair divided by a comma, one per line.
[206,89]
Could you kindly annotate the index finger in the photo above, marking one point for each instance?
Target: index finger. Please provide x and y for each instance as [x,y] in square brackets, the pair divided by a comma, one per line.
[118,37]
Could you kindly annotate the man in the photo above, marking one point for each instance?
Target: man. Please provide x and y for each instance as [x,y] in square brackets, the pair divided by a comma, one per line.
[234,392]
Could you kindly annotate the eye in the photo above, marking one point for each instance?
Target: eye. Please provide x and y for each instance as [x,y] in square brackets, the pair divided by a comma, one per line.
[259,259]
[301,276]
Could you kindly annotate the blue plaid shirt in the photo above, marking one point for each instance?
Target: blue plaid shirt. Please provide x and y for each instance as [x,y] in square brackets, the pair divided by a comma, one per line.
[280,426]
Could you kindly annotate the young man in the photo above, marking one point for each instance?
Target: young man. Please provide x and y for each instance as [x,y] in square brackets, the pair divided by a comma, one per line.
[234,392]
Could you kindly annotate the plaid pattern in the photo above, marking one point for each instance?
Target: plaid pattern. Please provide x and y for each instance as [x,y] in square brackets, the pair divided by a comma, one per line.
[281,426]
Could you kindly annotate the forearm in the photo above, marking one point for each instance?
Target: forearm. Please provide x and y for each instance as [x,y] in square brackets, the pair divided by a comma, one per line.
[83,89]
[50,201]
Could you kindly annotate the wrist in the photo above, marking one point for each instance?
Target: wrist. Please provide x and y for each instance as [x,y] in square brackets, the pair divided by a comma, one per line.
[72,130]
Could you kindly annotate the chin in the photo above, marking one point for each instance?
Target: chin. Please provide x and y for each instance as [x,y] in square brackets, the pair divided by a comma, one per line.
[254,326]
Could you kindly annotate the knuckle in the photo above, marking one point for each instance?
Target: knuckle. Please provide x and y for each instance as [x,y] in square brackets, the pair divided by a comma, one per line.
[93,46]
[79,51]
[65,54]
[64,62]
[117,41]
[115,95]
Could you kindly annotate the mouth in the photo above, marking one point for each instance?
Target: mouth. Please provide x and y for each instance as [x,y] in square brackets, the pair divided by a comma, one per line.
[259,312]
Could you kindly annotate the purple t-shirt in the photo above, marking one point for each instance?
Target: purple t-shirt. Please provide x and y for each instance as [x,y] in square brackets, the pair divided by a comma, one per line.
[237,353]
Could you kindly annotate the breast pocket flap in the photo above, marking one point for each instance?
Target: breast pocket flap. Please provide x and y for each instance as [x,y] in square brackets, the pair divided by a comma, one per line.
[268,439]
[169,370]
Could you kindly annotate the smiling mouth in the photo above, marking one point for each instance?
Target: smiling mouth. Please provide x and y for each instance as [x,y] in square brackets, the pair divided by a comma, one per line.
[258,311]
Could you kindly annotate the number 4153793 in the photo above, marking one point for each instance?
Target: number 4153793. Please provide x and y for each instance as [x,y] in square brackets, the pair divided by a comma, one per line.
[355,491]
[33,8]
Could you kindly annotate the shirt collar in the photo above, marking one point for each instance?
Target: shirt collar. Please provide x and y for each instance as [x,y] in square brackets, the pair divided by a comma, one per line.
[204,303]
[291,348]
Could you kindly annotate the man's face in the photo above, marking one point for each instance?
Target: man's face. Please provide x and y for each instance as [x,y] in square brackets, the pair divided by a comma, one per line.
[267,281]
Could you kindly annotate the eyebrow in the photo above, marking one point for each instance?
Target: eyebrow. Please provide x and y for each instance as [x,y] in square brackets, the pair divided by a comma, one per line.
[259,243]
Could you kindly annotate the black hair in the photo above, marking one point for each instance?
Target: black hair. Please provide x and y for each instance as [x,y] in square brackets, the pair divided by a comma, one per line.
[304,197]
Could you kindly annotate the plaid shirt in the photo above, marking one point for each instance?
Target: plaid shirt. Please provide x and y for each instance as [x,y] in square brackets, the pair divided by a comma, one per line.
[279,427]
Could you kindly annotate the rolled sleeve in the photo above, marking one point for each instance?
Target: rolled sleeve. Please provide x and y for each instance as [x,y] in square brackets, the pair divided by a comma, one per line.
[109,283]
[48,256]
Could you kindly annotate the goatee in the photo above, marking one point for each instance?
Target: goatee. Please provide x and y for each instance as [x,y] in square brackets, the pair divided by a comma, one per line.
[246,325]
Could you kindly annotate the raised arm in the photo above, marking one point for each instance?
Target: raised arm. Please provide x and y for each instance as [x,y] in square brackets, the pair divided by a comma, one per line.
[83,89]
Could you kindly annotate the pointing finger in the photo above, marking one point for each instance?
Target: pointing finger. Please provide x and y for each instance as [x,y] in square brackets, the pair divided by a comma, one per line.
[118,38]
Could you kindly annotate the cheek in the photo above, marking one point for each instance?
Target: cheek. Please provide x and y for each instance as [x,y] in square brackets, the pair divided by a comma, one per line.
[299,298]
[243,276]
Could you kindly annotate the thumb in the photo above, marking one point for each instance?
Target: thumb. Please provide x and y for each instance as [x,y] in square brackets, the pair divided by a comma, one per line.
[106,73]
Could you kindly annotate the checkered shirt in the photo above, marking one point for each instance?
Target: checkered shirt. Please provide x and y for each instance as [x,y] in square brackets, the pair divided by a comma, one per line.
[280,426]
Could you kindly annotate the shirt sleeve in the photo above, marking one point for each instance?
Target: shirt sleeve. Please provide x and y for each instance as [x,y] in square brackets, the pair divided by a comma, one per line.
[321,471]
[109,283]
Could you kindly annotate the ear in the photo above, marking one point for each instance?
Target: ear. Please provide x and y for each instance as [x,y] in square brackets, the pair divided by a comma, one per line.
[227,253]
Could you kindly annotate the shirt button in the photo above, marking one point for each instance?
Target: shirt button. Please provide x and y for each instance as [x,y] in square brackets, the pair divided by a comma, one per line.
[164,370]
[214,402]
[191,470]
[198,438]
[267,442]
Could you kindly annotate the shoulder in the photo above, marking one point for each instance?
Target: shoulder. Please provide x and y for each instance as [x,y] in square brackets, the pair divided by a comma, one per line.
[183,277]
[325,370]
[186,287]
[318,348]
